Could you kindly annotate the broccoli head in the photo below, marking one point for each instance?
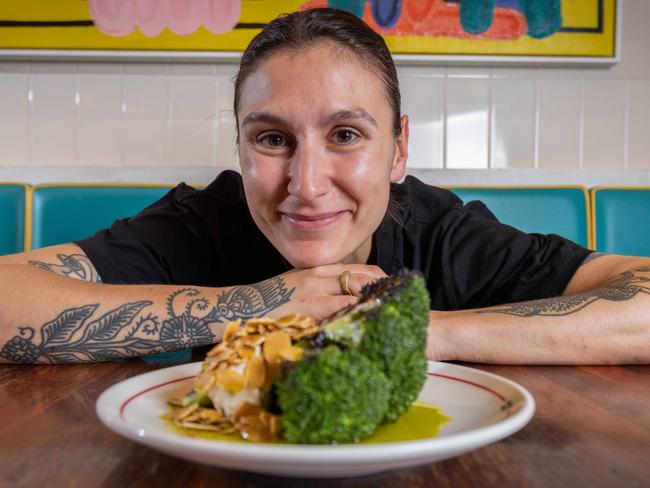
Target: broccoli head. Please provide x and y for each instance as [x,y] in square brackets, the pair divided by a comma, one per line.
[389,326]
[332,397]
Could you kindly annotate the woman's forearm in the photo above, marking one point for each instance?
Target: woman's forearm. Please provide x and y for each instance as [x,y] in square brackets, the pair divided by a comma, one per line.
[609,324]
[48,318]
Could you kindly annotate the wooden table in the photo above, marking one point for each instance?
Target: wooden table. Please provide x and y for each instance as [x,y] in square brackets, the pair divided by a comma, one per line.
[591,428]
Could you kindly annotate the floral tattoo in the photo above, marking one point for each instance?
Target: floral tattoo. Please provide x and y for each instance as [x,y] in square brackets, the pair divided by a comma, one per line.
[79,334]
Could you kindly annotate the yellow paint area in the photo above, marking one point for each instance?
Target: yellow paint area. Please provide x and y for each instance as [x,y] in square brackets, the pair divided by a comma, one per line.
[576,13]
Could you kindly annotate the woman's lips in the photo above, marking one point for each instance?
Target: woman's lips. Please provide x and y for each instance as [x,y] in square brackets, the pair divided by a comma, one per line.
[312,222]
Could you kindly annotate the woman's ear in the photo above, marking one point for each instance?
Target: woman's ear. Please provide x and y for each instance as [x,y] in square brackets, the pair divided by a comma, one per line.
[401,151]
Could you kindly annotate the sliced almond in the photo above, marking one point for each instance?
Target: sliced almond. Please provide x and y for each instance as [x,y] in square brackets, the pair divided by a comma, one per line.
[246,352]
[204,381]
[185,412]
[291,353]
[217,349]
[255,372]
[210,415]
[289,320]
[275,342]
[231,328]
[225,429]
[232,381]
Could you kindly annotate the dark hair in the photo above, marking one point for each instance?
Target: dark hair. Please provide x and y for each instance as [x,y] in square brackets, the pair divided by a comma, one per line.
[301,29]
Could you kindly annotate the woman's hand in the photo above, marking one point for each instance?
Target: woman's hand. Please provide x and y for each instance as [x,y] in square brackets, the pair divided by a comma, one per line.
[318,292]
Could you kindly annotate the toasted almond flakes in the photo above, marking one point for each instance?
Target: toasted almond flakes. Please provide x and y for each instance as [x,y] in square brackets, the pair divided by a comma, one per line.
[255,372]
[231,328]
[275,342]
[291,353]
[231,380]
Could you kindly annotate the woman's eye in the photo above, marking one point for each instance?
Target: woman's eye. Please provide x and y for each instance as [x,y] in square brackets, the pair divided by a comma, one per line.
[345,136]
[272,140]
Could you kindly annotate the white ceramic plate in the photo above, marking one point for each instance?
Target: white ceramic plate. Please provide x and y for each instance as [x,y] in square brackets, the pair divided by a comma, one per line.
[483,407]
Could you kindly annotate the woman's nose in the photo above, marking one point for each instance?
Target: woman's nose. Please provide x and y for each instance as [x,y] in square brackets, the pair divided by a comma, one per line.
[308,173]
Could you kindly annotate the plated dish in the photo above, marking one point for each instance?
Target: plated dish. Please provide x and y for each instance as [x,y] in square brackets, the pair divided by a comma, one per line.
[482,408]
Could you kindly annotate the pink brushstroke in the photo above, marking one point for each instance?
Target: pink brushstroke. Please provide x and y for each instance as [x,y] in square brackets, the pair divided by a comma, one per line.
[121,17]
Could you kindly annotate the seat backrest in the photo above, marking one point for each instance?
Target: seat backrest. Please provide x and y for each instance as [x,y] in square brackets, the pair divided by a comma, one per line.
[621,220]
[13,197]
[544,210]
[64,213]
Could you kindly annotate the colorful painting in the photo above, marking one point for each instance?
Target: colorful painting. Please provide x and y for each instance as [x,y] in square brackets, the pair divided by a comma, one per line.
[541,28]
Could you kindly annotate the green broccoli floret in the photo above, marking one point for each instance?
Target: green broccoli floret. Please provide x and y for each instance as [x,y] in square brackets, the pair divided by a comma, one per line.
[332,397]
[389,327]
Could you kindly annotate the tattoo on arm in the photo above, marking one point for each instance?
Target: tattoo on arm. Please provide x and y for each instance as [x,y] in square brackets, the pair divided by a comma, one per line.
[81,335]
[72,265]
[622,288]
[592,256]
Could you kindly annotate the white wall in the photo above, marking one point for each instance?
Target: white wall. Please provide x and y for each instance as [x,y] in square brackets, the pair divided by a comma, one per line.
[87,121]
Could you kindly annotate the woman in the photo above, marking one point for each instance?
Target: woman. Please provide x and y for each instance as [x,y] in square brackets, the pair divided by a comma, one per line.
[315,215]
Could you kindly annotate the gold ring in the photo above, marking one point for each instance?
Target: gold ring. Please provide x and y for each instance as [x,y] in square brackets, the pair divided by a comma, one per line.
[345,283]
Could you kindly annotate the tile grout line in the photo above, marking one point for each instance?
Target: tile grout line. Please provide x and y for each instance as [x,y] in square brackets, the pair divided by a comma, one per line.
[30,115]
[581,129]
[445,82]
[215,120]
[123,115]
[77,109]
[490,122]
[536,121]
[168,125]
[626,127]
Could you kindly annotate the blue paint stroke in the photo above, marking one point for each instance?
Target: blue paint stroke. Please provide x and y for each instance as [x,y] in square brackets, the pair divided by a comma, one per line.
[544,17]
[511,4]
[476,15]
[386,12]
[353,6]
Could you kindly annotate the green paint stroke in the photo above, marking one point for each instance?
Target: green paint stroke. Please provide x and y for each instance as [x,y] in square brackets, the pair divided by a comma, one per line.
[544,17]
[476,15]
[353,6]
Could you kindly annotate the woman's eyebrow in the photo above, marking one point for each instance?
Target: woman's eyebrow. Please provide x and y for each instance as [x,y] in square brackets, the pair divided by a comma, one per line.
[348,114]
[266,117]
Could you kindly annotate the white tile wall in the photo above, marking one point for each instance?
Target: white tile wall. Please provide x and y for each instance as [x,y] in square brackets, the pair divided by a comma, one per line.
[560,120]
[165,116]
[146,106]
[513,123]
[53,121]
[14,115]
[423,99]
[638,153]
[467,116]
[101,120]
[192,123]
[604,117]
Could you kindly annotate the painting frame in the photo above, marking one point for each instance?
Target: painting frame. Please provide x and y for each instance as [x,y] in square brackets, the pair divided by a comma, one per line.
[401,58]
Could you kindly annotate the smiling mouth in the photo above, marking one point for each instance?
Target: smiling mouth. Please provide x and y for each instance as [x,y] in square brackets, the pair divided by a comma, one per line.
[312,222]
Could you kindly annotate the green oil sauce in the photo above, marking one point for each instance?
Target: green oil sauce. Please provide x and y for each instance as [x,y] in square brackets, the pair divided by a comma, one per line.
[422,421]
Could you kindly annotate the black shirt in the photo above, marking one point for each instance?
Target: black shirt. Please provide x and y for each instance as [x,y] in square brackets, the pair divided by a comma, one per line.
[208,238]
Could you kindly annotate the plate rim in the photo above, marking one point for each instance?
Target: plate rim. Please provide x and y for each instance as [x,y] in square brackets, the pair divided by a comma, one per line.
[321,454]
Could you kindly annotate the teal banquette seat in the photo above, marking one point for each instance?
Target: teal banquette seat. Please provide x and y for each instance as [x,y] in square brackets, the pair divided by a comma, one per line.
[546,210]
[64,213]
[621,220]
[13,198]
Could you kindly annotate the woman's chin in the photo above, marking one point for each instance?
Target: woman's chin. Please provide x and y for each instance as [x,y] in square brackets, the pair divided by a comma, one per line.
[311,260]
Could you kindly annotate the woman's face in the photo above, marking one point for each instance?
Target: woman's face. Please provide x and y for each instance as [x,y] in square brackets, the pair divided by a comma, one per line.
[317,154]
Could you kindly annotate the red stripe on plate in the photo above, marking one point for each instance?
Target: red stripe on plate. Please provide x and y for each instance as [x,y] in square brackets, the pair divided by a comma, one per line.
[495,393]
[453,378]
[131,398]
